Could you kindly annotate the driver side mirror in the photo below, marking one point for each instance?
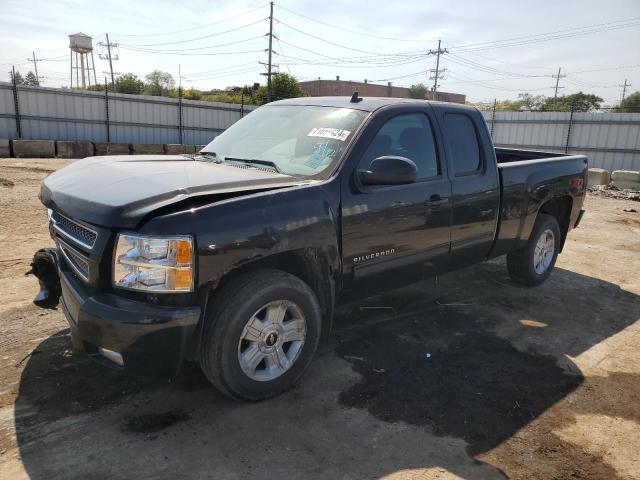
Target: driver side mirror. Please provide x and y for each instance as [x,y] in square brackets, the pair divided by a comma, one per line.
[389,170]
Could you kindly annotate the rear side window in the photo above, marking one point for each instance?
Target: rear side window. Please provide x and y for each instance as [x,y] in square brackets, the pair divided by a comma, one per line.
[409,136]
[463,144]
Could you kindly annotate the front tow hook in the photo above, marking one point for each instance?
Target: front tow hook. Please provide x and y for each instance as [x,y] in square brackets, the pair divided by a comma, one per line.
[44,268]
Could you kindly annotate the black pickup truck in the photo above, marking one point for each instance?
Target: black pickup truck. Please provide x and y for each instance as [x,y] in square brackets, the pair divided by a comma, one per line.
[236,256]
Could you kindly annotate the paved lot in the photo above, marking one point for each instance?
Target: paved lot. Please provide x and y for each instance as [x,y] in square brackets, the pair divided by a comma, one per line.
[470,376]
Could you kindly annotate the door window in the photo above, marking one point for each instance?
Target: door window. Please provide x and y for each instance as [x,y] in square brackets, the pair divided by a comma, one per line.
[463,144]
[408,136]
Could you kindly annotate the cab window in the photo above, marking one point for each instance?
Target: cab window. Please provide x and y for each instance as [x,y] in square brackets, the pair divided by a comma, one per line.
[409,136]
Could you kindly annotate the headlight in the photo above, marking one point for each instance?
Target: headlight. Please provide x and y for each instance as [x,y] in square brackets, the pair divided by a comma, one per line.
[162,264]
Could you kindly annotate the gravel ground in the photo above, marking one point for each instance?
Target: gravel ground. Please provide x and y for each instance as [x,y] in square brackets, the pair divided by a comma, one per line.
[469,376]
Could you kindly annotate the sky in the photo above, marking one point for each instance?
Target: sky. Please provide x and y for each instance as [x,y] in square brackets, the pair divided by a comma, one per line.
[495,49]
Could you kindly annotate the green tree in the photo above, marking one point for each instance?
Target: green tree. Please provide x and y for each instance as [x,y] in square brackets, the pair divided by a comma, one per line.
[187,93]
[129,83]
[581,102]
[159,83]
[418,91]
[19,78]
[31,80]
[192,94]
[283,86]
[630,104]
[533,103]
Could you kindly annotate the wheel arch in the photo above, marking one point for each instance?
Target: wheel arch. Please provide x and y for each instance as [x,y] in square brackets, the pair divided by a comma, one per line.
[559,207]
[311,265]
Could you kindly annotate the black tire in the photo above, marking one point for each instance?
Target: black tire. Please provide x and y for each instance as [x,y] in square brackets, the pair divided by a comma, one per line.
[234,306]
[520,263]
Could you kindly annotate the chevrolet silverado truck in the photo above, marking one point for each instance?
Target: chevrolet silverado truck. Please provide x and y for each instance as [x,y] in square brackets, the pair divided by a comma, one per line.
[236,256]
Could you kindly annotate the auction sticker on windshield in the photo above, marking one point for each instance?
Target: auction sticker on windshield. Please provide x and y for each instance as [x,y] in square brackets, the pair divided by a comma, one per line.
[334,133]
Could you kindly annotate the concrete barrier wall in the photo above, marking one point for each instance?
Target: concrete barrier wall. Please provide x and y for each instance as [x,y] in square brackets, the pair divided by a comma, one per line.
[34,148]
[112,148]
[66,149]
[5,148]
[598,176]
[74,149]
[626,180]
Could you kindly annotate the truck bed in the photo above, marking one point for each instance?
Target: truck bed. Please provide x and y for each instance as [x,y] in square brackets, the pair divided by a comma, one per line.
[527,180]
[508,155]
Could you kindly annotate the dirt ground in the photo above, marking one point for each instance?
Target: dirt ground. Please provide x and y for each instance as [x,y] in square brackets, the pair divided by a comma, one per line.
[468,376]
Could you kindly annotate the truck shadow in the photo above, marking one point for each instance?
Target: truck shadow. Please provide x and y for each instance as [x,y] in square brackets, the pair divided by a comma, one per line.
[465,363]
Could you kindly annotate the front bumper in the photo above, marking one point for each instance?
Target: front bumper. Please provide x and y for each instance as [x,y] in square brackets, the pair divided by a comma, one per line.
[152,340]
[580,215]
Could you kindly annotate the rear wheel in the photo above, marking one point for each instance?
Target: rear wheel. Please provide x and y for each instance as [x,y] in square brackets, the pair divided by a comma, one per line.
[261,335]
[532,264]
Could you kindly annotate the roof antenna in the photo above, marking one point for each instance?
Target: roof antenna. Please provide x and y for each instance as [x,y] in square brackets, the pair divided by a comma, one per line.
[355,98]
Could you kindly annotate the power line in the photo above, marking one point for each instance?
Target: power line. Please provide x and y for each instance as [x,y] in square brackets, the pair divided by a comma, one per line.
[491,59]
[280,22]
[479,66]
[180,50]
[196,54]
[196,38]
[490,87]
[535,38]
[353,31]
[192,28]
[620,67]
[222,74]
[217,70]
[286,62]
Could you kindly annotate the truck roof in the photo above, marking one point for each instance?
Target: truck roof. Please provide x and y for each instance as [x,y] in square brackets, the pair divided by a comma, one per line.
[367,104]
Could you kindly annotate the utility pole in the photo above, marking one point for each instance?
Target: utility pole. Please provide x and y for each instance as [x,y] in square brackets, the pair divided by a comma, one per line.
[110,62]
[35,67]
[270,51]
[436,72]
[109,56]
[557,77]
[180,120]
[624,89]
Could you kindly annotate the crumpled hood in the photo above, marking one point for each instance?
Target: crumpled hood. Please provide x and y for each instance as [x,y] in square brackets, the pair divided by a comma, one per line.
[118,191]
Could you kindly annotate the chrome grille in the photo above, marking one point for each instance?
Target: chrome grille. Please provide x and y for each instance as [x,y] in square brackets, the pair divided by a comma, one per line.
[75,259]
[74,231]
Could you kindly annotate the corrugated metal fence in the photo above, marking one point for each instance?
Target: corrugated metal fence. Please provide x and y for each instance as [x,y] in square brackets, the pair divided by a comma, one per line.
[62,114]
[610,140]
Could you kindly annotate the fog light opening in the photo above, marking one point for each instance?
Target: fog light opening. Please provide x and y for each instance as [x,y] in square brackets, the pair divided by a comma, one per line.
[115,357]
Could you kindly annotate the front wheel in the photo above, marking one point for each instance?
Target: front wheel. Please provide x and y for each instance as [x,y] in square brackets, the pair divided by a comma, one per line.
[261,335]
[532,264]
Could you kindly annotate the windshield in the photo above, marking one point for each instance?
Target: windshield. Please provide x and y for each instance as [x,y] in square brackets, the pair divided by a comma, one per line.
[292,139]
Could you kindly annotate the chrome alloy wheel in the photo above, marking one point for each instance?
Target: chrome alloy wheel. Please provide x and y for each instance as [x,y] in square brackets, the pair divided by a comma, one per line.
[543,252]
[272,340]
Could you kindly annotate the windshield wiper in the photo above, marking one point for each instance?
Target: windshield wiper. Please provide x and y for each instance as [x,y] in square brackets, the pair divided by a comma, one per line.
[211,155]
[254,161]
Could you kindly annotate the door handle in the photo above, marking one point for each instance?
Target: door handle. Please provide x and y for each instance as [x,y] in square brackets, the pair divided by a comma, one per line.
[435,201]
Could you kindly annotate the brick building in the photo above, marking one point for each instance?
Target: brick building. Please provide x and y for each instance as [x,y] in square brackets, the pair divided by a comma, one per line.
[337,87]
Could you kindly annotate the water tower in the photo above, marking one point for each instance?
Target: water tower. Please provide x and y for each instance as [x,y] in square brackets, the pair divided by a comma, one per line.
[82,63]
